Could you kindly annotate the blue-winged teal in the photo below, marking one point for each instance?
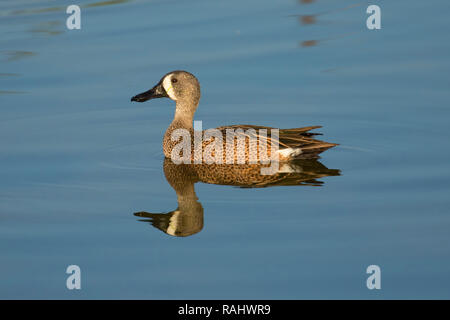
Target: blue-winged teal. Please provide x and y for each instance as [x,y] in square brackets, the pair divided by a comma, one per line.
[187,219]
[184,89]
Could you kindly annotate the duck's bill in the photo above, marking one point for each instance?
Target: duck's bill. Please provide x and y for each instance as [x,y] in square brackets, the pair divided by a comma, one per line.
[155,92]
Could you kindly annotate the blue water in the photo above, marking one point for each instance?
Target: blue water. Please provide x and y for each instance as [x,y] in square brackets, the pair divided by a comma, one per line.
[77,159]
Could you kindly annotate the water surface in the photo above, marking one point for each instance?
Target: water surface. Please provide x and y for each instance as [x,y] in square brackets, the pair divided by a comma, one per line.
[77,159]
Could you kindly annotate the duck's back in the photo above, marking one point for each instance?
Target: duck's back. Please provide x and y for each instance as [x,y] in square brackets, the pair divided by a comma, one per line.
[242,144]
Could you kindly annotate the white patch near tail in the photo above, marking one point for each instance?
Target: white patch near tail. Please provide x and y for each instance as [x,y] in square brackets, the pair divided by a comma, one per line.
[290,152]
[167,84]
[289,168]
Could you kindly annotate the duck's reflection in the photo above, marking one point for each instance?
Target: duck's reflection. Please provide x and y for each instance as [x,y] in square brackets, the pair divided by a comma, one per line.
[187,219]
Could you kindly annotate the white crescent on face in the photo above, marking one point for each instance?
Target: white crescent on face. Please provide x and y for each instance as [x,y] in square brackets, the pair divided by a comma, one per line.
[173,224]
[167,85]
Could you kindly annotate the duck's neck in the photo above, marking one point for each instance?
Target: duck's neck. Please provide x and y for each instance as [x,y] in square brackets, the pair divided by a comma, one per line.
[183,119]
[184,115]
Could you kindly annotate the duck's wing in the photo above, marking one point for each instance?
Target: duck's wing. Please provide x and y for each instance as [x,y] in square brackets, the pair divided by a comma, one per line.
[294,143]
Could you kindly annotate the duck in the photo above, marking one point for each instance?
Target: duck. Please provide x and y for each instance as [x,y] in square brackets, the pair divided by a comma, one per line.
[188,218]
[184,88]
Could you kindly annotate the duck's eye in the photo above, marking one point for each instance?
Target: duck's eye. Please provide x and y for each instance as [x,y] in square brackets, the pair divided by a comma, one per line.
[174,80]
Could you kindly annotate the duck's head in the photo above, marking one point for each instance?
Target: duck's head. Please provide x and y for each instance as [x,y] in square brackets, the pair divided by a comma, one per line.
[180,86]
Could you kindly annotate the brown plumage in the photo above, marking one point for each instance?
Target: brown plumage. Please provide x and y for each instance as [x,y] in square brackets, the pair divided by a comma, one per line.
[184,88]
[187,218]
[287,138]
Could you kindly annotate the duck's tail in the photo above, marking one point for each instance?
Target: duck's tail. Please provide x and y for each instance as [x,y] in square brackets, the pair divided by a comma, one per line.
[297,143]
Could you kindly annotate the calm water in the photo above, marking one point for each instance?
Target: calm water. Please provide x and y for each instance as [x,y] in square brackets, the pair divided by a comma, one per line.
[77,159]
